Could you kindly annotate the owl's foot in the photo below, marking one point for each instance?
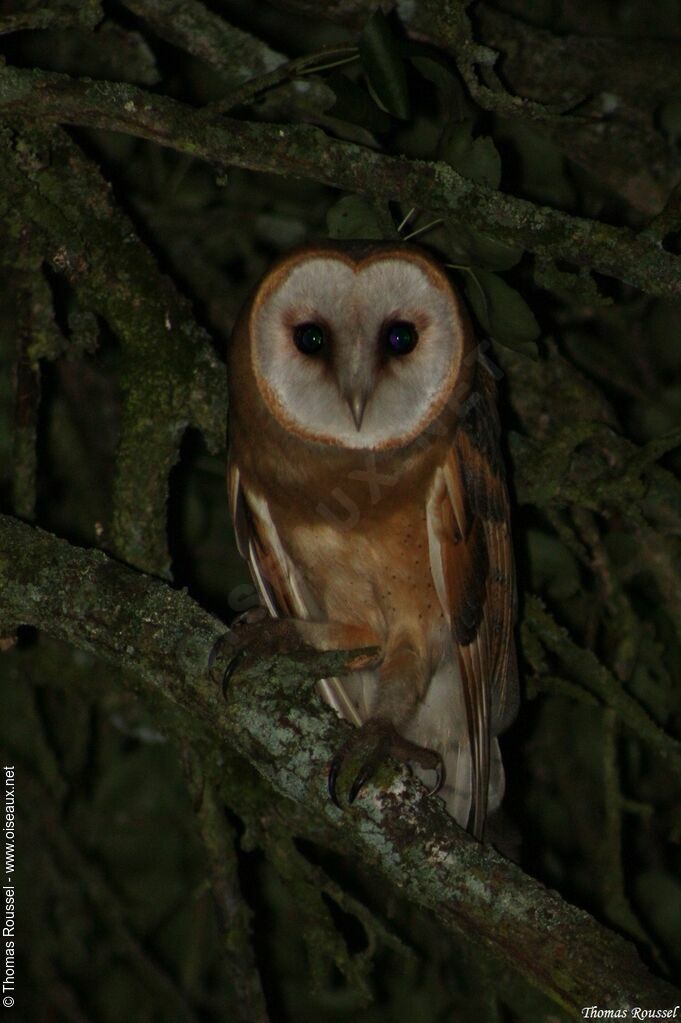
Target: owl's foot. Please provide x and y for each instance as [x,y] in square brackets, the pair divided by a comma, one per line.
[365,661]
[253,635]
[370,744]
[253,616]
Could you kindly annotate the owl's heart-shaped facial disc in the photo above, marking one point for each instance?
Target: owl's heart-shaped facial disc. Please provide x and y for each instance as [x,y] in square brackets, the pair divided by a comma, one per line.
[357,353]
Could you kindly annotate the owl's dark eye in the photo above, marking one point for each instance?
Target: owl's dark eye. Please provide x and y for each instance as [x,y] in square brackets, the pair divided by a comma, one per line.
[309,338]
[401,337]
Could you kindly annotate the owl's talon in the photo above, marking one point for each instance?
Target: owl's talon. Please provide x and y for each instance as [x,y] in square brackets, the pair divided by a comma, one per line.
[334,768]
[364,662]
[378,739]
[230,669]
[367,770]
[439,778]
[253,616]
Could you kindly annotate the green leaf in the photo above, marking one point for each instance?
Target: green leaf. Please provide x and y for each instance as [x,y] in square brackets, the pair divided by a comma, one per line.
[669,119]
[501,311]
[657,416]
[353,217]
[445,81]
[469,247]
[383,66]
[354,104]
[476,159]
[542,167]
[662,330]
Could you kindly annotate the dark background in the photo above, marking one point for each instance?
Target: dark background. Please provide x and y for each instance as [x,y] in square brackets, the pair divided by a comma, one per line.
[116,916]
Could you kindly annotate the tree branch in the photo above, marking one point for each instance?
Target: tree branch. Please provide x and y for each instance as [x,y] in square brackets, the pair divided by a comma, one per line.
[517,70]
[75,14]
[143,625]
[192,27]
[170,376]
[238,56]
[619,143]
[234,916]
[309,153]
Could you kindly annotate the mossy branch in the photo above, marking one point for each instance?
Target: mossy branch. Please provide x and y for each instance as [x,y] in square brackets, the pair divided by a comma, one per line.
[93,883]
[194,28]
[75,14]
[597,680]
[234,916]
[307,152]
[269,716]
[170,376]
[548,72]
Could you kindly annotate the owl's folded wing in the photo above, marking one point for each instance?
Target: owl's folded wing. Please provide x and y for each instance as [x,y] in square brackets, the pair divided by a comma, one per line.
[259,544]
[472,566]
[280,586]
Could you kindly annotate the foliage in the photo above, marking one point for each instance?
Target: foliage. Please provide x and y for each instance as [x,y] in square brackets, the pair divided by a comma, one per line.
[545,179]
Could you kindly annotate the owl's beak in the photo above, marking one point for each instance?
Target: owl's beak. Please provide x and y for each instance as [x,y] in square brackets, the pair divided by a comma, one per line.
[355,384]
[357,403]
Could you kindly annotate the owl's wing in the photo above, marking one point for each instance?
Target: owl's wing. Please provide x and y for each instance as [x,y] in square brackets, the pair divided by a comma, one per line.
[472,566]
[280,586]
[260,545]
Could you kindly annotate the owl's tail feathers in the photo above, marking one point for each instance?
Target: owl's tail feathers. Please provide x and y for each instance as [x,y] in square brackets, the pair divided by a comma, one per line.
[457,791]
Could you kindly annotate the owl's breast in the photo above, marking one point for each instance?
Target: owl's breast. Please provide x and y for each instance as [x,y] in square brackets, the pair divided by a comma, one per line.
[373,571]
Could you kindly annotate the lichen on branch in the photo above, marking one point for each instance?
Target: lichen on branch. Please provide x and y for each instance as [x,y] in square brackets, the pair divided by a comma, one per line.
[271,716]
[303,151]
[170,376]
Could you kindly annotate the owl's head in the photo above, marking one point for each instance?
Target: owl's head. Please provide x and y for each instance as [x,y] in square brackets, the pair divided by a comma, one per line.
[356,345]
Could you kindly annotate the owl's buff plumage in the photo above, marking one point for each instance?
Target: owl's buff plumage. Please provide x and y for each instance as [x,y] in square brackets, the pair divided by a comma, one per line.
[369,499]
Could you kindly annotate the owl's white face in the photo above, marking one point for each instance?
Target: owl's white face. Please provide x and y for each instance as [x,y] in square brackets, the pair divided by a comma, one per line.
[358,354]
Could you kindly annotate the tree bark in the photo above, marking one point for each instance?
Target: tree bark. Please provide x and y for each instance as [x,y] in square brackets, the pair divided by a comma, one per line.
[269,713]
[303,151]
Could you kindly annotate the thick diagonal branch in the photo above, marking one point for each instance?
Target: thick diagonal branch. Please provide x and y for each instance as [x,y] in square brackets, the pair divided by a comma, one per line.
[302,151]
[142,624]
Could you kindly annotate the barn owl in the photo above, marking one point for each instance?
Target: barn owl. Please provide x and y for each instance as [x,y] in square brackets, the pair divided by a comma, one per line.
[368,497]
